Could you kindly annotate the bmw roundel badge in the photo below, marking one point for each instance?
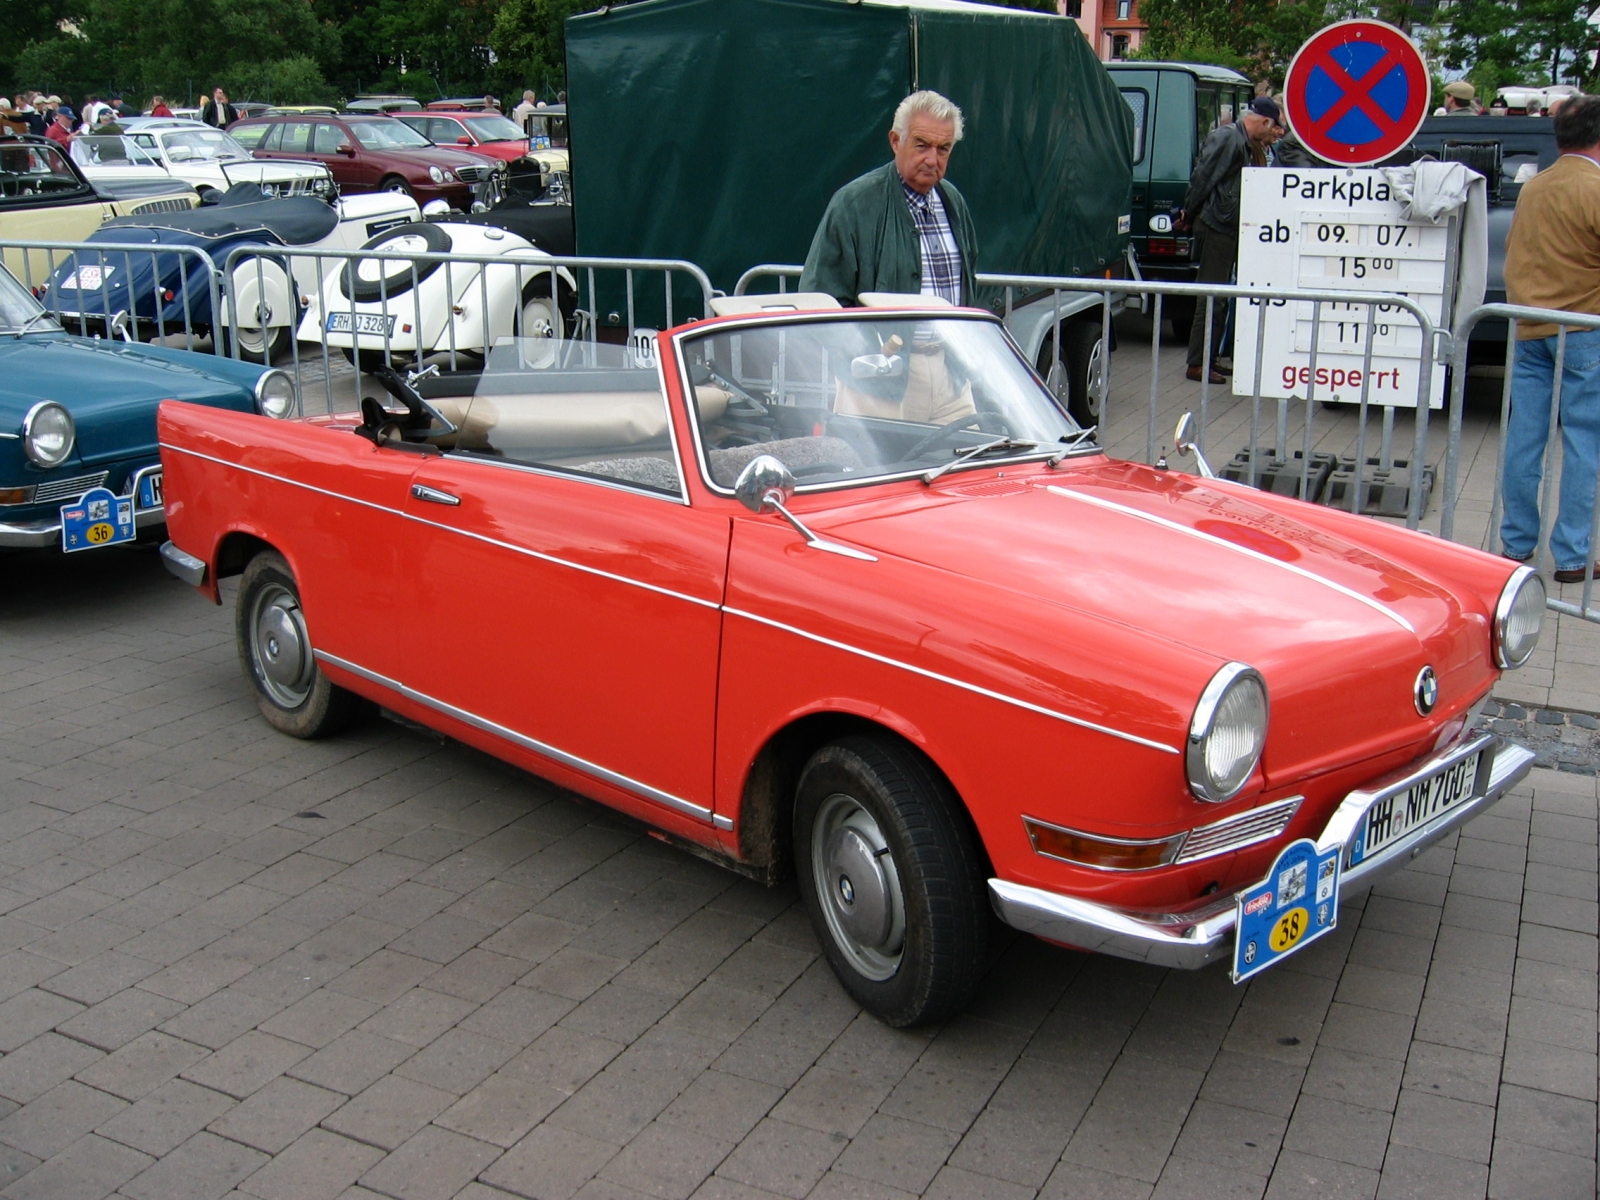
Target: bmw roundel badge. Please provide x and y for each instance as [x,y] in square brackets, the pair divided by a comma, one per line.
[1426,692]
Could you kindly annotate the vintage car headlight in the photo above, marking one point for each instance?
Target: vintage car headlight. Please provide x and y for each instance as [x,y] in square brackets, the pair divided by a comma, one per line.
[275,395]
[1227,734]
[48,434]
[439,175]
[1518,618]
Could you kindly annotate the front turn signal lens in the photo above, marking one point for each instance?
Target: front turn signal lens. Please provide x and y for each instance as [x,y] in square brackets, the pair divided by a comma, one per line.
[1099,852]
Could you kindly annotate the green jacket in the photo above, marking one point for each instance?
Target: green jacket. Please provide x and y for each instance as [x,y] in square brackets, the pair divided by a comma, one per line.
[867,241]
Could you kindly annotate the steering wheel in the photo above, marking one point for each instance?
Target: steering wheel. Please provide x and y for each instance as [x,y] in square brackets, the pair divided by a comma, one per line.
[987,422]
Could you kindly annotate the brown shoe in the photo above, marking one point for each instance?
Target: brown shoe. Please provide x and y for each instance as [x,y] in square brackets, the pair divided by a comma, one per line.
[1575,574]
[1194,374]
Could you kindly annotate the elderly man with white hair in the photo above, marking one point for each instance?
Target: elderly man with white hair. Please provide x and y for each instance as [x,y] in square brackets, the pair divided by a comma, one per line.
[902,227]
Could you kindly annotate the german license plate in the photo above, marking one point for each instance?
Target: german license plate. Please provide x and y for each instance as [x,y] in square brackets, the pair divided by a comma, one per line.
[99,519]
[1424,802]
[378,323]
[150,490]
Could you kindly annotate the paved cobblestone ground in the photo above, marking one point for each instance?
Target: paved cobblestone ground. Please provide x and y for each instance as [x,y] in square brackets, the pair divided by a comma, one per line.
[385,965]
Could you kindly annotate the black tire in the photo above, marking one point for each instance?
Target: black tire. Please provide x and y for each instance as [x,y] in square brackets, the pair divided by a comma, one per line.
[393,183]
[1082,351]
[1179,310]
[916,947]
[275,652]
[398,277]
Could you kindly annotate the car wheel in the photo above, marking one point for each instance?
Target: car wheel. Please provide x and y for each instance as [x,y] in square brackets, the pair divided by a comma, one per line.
[275,651]
[262,346]
[394,183]
[892,876]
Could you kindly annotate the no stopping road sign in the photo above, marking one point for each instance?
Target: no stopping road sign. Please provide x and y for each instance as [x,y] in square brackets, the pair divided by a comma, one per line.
[1357,92]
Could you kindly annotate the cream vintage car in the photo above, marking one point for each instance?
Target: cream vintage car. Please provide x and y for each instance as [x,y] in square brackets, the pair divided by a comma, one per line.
[44,197]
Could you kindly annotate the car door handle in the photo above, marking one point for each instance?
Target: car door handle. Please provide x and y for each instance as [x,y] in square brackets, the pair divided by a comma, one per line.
[433,495]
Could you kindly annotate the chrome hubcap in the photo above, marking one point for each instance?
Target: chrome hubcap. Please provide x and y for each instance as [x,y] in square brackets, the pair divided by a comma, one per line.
[279,645]
[858,887]
[1092,377]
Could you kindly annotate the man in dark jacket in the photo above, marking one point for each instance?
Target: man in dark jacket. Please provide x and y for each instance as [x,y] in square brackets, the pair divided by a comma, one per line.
[217,112]
[902,227]
[1211,210]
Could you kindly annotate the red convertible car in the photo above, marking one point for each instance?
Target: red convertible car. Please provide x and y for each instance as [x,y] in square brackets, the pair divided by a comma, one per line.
[847,593]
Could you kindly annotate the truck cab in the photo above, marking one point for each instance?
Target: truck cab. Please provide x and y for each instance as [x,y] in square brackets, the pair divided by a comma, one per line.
[1175,105]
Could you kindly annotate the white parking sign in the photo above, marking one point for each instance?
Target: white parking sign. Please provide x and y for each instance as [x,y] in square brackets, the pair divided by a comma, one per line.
[1336,229]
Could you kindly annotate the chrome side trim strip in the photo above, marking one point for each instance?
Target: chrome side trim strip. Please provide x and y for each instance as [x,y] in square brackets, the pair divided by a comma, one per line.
[1113,506]
[969,687]
[615,778]
[549,558]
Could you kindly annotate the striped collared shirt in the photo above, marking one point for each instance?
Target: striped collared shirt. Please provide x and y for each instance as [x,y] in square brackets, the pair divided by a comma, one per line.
[941,257]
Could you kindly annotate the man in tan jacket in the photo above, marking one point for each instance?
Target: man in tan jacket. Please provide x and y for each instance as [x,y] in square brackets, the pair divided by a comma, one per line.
[1553,261]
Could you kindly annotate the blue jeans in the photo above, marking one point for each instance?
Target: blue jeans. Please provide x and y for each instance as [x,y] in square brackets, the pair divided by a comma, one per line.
[1526,433]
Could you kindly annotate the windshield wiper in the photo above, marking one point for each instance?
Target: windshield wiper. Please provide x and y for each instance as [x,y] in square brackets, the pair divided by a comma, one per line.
[1004,442]
[23,328]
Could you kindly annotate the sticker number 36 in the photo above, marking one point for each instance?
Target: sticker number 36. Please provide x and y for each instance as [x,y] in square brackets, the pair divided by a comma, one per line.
[1288,928]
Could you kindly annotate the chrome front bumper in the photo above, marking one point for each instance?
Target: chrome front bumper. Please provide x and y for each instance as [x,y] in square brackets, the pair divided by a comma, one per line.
[32,535]
[1193,939]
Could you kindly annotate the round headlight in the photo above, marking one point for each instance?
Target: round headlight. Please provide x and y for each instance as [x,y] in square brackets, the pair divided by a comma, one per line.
[1227,734]
[48,434]
[437,175]
[1518,618]
[275,395]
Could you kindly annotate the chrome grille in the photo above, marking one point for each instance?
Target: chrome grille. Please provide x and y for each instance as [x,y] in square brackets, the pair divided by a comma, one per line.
[67,490]
[473,174]
[173,205]
[1246,829]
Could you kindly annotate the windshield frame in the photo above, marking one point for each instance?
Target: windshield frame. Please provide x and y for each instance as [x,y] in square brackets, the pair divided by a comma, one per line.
[8,281]
[702,329]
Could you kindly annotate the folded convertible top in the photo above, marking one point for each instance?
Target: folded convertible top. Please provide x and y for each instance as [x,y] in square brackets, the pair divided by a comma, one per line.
[288,220]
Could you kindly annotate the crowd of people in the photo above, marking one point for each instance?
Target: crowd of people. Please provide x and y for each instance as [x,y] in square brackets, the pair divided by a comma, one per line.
[54,116]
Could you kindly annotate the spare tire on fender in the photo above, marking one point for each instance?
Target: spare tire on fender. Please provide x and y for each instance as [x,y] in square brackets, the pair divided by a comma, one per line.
[370,280]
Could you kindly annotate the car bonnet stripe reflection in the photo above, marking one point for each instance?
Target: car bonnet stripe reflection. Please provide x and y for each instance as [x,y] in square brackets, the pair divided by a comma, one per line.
[698,811]
[1238,549]
[970,687]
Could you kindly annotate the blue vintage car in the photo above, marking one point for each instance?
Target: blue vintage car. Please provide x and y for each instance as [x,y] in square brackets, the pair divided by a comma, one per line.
[79,465]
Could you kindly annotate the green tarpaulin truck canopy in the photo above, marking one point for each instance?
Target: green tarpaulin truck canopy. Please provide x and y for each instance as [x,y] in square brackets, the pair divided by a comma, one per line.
[716,130]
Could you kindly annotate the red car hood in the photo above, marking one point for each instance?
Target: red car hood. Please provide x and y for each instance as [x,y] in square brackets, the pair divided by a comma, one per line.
[1338,631]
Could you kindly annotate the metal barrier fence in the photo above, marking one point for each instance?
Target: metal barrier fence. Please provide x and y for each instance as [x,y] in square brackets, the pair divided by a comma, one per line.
[1550,477]
[438,304]
[131,306]
[1372,484]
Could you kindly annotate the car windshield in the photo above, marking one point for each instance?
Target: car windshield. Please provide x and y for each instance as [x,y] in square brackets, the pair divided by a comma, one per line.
[494,129]
[387,135]
[19,311]
[212,145]
[105,151]
[30,169]
[549,130]
[844,400]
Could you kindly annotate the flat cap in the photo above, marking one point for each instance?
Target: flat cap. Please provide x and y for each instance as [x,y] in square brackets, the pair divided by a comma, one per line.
[1460,90]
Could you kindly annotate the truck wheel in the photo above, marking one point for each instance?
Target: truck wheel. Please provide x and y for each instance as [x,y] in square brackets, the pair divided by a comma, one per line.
[275,652]
[1180,311]
[1077,383]
[893,879]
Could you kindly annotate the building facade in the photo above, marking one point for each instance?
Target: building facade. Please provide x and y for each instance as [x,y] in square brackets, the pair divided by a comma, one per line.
[1113,27]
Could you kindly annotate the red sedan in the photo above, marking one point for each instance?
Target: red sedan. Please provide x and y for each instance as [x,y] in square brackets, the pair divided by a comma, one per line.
[486,133]
[848,594]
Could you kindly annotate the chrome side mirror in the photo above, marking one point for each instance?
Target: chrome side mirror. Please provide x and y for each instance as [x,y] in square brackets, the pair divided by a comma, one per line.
[434,208]
[121,326]
[1183,443]
[765,484]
